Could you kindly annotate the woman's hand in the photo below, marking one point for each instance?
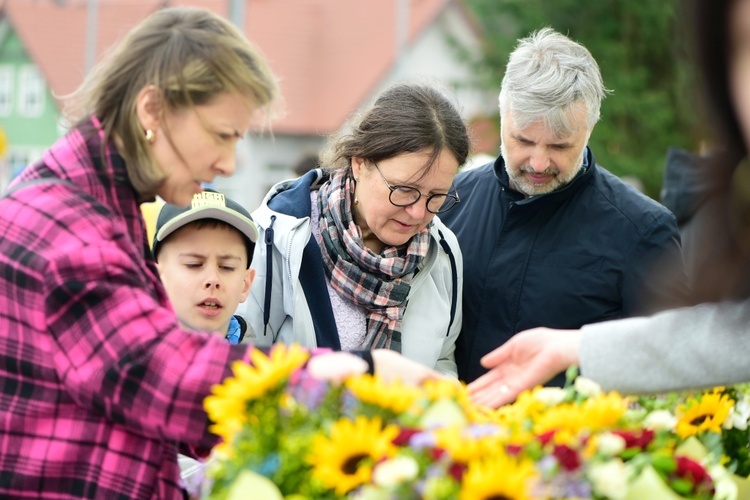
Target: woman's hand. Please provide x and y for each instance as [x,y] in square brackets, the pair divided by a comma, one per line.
[528,359]
[336,366]
[391,366]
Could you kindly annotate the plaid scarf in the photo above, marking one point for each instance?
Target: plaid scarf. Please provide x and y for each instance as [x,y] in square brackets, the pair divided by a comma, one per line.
[377,282]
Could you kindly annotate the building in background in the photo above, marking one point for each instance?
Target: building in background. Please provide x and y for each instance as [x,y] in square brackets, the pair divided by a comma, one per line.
[43,51]
[28,112]
[332,57]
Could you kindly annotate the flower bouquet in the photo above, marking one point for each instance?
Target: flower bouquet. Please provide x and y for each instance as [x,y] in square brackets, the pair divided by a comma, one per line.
[287,434]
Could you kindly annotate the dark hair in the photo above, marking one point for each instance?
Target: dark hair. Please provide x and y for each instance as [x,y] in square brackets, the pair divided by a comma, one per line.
[708,25]
[305,164]
[723,257]
[406,118]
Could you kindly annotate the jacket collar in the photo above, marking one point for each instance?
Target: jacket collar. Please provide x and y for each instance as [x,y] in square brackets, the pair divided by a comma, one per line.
[293,197]
[84,158]
[585,176]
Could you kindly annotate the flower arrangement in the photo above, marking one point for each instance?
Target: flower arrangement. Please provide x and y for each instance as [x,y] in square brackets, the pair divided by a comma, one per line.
[287,434]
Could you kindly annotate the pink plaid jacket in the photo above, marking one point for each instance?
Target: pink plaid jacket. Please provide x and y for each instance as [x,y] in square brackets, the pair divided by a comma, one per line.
[98,385]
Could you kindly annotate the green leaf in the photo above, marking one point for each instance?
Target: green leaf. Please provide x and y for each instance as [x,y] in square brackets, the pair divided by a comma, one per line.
[663,463]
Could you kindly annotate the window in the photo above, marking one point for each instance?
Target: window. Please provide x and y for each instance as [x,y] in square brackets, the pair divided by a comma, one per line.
[17,161]
[6,89]
[30,91]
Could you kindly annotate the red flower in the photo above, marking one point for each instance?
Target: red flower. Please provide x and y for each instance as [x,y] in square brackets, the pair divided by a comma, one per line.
[546,437]
[513,449]
[456,471]
[688,468]
[404,436]
[437,453]
[567,457]
[636,439]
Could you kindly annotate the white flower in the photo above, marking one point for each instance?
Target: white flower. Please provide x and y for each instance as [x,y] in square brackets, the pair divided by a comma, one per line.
[391,473]
[739,416]
[660,420]
[370,492]
[587,387]
[609,479]
[611,444]
[550,396]
[725,488]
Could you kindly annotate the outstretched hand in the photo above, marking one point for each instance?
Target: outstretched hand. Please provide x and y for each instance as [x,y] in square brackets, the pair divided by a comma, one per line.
[528,359]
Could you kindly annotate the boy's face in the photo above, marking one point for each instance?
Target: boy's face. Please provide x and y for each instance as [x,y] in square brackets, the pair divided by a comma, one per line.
[205,273]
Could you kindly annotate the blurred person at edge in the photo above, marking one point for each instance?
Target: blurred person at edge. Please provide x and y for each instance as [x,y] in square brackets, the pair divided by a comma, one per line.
[358,258]
[699,346]
[99,384]
[549,237]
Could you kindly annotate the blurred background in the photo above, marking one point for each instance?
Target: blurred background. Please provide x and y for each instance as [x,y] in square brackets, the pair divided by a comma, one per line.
[334,56]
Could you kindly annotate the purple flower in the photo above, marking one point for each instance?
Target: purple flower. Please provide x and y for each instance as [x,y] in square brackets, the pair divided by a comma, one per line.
[422,440]
[307,390]
[478,431]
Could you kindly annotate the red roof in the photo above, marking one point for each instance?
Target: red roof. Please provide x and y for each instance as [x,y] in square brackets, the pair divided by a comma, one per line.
[329,54]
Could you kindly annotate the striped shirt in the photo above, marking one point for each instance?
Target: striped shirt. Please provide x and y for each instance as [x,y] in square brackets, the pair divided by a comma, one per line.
[98,384]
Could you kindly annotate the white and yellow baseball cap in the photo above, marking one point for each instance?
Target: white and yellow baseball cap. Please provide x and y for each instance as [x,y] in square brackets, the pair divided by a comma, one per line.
[209,204]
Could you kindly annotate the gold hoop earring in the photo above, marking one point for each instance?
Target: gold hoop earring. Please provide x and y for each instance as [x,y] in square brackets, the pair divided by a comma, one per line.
[150,136]
[356,200]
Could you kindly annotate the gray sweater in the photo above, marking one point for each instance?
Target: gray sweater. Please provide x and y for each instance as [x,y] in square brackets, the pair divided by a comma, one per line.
[695,347]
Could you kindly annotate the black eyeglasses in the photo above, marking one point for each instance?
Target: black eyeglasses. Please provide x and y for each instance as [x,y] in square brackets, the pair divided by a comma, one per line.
[404,196]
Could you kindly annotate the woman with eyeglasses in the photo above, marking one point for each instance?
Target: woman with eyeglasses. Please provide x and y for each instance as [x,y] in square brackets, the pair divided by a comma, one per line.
[351,256]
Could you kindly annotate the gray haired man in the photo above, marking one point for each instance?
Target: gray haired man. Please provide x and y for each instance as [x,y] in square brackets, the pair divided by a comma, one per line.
[549,237]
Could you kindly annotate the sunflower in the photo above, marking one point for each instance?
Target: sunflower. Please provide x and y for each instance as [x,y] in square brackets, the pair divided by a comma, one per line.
[345,460]
[498,477]
[513,419]
[481,414]
[604,411]
[445,388]
[441,389]
[371,389]
[227,404]
[463,446]
[279,366]
[570,419]
[706,414]
[526,406]
[459,446]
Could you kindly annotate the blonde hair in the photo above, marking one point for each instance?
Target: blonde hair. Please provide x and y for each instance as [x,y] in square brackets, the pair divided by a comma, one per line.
[190,56]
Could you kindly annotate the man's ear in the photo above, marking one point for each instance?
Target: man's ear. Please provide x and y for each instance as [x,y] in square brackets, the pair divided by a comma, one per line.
[148,108]
[247,283]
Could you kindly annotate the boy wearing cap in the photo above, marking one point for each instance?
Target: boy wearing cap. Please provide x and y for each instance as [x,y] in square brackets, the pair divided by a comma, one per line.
[203,253]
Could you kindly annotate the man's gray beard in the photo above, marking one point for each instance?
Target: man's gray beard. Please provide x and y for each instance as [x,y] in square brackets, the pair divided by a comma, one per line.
[521,186]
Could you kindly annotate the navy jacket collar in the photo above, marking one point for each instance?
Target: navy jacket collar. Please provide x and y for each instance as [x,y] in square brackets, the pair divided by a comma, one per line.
[583,178]
[295,200]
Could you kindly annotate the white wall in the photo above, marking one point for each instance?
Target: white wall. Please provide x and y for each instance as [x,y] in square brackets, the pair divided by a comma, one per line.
[432,56]
[262,161]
